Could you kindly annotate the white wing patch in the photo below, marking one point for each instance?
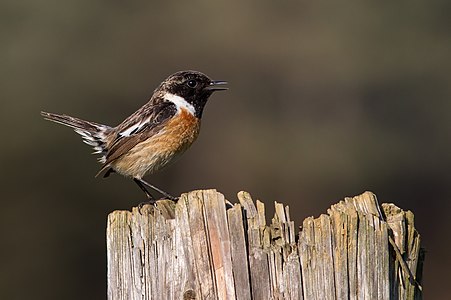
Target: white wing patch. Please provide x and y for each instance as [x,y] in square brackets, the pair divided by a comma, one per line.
[180,102]
[134,128]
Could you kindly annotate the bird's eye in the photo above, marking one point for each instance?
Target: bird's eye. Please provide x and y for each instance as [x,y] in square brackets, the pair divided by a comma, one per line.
[191,83]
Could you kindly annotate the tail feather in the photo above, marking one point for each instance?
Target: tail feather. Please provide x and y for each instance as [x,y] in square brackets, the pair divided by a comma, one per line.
[93,134]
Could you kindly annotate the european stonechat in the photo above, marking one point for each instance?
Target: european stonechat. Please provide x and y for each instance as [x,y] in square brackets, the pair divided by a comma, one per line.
[155,134]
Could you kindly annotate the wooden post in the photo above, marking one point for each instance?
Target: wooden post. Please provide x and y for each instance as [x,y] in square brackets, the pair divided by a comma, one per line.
[204,248]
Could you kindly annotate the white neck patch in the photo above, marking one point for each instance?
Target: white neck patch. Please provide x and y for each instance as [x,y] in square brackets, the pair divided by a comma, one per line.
[180,102]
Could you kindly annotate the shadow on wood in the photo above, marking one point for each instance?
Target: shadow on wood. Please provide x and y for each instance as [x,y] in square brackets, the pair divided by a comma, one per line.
[203,248]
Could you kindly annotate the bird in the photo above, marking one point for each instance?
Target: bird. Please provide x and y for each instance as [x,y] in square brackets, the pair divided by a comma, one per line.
[154,135]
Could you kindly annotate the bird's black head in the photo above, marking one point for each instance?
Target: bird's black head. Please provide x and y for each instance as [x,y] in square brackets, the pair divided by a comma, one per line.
[191,86]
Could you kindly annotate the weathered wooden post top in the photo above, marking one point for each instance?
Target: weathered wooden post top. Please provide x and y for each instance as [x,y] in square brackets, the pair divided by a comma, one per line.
[204,248]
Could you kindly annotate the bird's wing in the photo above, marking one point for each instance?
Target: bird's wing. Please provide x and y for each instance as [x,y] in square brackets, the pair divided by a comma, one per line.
[141,125]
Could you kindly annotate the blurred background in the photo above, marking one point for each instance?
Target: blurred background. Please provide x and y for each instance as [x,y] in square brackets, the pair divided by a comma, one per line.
[326,100]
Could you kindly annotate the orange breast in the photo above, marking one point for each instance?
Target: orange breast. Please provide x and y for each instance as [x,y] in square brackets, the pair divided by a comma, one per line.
[154,153]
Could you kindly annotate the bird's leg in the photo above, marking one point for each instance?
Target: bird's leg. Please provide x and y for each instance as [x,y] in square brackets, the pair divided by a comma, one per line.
[143,188]
[167,195]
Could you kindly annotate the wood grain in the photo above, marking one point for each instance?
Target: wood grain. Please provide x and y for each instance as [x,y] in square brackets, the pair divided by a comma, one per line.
[204,248]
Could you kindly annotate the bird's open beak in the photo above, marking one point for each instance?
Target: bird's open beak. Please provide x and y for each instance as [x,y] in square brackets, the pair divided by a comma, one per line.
[217,85]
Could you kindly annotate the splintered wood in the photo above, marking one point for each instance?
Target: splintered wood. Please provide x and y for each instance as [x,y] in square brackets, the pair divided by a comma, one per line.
[204,248]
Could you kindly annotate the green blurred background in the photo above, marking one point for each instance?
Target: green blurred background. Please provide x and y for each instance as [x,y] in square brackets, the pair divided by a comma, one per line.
[326,100]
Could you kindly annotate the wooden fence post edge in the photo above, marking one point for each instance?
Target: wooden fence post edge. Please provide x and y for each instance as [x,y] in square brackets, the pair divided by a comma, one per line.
[205,247]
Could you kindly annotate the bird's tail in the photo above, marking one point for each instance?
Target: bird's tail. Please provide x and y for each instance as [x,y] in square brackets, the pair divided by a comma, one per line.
[93,134]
